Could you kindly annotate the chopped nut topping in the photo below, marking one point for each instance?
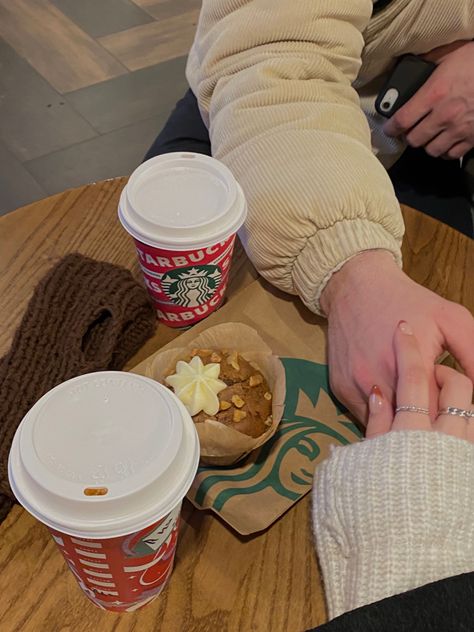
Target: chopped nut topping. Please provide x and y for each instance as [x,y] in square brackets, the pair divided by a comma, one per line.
[255,380]
[225,405]
[205,352]
[268,396]
[239,415]
[215,357]
[233,361]
[237,401]
[268,421]
[194,352]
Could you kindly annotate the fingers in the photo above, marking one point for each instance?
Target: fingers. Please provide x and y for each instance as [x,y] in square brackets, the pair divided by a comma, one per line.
[412,112]
[456,391]
[455,388]
[459,151]
[380,414]
[426,132]
[458,331]
[413,387]
[441,145]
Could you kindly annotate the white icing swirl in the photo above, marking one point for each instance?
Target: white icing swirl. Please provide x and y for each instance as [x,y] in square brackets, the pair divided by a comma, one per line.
[197,385]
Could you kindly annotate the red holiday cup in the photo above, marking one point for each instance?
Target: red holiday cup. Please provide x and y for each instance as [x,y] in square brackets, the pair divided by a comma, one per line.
[104,461]
[183,211]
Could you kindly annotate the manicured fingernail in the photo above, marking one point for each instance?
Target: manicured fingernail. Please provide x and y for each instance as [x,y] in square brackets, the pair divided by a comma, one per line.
[376,399]
[405,328]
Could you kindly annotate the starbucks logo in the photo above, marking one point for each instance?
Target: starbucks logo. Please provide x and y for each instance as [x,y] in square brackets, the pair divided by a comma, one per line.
[191,287]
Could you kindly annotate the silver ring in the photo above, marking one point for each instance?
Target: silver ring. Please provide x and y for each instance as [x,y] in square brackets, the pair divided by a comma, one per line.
[457,412]
[412,409]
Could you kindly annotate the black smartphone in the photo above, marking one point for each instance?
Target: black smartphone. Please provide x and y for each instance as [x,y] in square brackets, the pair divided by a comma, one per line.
[410,73]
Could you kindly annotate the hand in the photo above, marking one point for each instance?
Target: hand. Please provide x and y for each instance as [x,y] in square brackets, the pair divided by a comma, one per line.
[440,117]
[364,302]
[413,390]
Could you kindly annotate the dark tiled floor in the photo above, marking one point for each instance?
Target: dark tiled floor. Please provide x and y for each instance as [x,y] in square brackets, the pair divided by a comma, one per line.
[18,187]
[34,119]
[102,17]
[127,112]
[53,142]
[50,141]
[114,154]
[132,97]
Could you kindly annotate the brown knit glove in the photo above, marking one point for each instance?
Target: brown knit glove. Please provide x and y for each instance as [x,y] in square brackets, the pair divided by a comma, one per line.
[84,316]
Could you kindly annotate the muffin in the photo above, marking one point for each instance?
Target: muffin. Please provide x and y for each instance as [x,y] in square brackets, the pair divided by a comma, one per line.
[239,406]
[222,386]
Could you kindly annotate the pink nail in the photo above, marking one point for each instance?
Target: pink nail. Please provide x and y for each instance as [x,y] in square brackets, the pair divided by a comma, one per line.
[405,328]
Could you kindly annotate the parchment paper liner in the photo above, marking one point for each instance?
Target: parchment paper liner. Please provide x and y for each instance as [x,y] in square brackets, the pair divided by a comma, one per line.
[220,444]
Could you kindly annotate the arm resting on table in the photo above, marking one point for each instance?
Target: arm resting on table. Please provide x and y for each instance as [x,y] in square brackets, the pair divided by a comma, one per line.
[392,514]
[274,84]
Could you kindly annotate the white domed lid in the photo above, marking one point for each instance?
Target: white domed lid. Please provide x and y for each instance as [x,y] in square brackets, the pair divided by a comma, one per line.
[182,201]
[104,454]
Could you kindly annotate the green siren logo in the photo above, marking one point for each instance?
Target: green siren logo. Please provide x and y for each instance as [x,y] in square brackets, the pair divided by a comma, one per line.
[191,287]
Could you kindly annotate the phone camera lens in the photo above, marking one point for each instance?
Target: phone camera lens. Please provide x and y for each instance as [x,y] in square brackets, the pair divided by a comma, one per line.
[386,105]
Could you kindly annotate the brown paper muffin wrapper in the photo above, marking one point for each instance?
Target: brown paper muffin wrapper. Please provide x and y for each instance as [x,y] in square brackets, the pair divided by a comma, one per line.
[252,494]
[220,444]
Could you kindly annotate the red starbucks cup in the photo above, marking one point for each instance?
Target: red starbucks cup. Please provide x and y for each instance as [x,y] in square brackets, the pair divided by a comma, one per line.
[104,461]
[183,211]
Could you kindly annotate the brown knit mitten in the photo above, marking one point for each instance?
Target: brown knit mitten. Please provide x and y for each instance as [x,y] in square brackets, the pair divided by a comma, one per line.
[84,316]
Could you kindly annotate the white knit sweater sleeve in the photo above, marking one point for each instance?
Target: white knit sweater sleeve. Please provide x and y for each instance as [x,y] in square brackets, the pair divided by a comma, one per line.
[274,83]
[392,514]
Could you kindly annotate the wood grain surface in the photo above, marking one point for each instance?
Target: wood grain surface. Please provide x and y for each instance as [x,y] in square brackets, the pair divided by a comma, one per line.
[221,581]
[155,42]
[160,9]
[34,238]
[56,47]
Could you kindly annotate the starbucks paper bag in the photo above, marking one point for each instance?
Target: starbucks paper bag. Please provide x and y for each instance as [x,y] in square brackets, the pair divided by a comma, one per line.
[253,494]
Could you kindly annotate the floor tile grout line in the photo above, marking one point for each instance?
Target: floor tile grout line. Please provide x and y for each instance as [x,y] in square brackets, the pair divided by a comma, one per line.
[112,55]
[97,132]
[86,35]
[96,37]
[60,95]
[82,142]
[144,10]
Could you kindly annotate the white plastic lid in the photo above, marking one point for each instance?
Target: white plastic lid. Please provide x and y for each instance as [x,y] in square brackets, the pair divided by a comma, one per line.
[182,201]
[112,431]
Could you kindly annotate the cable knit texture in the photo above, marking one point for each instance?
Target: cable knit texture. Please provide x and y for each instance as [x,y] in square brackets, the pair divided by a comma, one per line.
[392,514]
[84,316]
[280,84]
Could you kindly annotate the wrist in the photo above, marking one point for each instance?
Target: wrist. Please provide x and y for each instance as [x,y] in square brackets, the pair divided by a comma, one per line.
[368,267]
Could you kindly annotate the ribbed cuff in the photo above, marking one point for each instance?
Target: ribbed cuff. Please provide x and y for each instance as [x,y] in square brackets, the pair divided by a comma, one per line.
[329,249]
[391,514]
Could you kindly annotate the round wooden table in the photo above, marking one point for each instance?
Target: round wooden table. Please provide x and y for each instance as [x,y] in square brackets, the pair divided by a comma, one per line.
[221,581]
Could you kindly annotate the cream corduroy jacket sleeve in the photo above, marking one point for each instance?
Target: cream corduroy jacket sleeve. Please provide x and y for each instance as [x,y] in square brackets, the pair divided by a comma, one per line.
[392,514]
[274,83]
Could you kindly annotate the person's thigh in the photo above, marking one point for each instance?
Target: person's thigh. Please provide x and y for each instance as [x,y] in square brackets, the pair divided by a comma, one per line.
[184,130]
[435,186]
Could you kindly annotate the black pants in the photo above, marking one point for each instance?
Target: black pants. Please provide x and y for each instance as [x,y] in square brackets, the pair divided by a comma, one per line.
[434,186]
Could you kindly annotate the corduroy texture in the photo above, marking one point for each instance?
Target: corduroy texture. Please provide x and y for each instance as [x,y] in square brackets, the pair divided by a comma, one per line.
[391,514]
[84,316]
[280,85]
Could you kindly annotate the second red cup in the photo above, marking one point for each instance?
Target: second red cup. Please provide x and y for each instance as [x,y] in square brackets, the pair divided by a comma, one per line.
[104,460]
[183,211]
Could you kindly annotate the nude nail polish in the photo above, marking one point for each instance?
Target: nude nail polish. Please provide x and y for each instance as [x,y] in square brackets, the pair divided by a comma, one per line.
[405,328]
[376,399]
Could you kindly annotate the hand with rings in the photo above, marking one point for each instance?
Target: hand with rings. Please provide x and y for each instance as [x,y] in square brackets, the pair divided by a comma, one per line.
[456,413]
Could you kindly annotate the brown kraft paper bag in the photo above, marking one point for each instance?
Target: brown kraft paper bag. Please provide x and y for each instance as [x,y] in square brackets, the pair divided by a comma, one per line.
[255,492]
